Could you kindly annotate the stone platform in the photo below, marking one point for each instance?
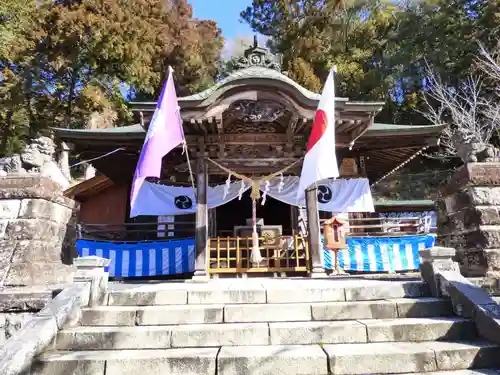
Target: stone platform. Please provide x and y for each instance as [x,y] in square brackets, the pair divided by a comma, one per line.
[270,327]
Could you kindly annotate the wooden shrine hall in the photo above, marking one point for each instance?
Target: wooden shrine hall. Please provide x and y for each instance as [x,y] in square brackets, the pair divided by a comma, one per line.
[256,121]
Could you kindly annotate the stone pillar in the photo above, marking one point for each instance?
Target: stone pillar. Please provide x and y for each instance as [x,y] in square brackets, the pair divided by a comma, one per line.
[315,248]
[469,218]
[34,222]
[91,269]
[434,261]
[201,233]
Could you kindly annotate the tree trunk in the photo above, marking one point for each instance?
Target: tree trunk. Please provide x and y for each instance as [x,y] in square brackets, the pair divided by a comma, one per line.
[69,109]
[6,133]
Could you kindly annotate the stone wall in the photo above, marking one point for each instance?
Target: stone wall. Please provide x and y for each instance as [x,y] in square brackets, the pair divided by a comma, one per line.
[36,246]
[18,305]
[469,218]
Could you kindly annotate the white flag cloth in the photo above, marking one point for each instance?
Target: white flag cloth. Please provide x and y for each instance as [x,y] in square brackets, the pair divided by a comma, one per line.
[320,161]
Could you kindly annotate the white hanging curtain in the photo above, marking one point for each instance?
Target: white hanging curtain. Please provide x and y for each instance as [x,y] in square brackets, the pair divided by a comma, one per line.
[164,200]
[353,195]
[340,195]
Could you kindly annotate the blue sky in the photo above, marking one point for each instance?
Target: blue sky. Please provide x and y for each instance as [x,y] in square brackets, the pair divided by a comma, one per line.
[226,13]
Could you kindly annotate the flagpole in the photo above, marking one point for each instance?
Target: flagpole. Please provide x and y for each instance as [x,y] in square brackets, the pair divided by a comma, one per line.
[184,143]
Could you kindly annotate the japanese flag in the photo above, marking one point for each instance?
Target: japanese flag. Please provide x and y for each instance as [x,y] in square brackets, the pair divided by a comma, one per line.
[320,161]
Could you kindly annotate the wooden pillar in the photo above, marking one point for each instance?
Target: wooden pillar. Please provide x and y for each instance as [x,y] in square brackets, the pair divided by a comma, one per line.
[201,266]
[315,248]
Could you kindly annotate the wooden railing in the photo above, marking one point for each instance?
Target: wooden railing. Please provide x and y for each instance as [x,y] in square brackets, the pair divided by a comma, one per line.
[387,227]
[131,232]
[233,254]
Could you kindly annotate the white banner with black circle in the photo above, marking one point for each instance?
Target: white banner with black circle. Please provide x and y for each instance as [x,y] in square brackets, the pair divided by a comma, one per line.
[352,195]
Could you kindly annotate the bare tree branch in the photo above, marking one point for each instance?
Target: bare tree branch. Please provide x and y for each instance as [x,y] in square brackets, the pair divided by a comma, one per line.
[474,116]
[489,63]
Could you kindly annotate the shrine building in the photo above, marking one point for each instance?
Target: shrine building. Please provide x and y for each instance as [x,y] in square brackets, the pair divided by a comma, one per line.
[255,122]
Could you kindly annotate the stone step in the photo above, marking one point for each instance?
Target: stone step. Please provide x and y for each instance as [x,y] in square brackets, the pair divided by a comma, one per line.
[286,333]
[385,358]
[250,313]
[431,358]
[291,291]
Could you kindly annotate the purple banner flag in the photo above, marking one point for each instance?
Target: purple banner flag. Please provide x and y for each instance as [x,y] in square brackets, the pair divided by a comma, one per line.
[164,134]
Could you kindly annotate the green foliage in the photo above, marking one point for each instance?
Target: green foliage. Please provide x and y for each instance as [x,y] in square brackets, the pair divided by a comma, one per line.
[64,61]
[379,47]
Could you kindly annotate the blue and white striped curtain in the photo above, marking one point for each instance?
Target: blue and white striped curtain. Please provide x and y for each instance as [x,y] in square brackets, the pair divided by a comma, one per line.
[379,254]
[143,259]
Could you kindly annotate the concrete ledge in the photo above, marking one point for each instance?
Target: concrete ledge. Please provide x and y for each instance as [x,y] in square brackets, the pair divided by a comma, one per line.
[419,329]
[114,338]
[137,297]
[272,360]
[199,335]
[38,333]
[198,361]
[304,333]
[201,296]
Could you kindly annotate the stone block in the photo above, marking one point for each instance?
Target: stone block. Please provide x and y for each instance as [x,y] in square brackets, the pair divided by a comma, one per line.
[437,253]
[305,333]
[487,318]
[34,229]
[7,248]
[43,209]
[142,298]
[456,356]
[305,294]
[15,321]
[386,291]
[486,237]
[74,363]
[354,310]
[182,314]
[26,251]
[37,187]
[423,307]
[24,299]
[472,262]
[65,307]
[267,313]
[472,174]
[108,316]
[39,273]
[201,335]
[492,259]
[31,340]
[272,360]
[419,329]
[380,358]
[9,208]
[485,195]
[489,215]
[3,228]
[464,295]
[203,296]
[113,338]
[198,361]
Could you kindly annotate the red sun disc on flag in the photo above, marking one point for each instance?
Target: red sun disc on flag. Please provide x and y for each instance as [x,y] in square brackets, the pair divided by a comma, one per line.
[318,128]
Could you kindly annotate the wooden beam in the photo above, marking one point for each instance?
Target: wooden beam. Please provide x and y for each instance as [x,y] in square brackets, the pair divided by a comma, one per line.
[201,233]
[315,248]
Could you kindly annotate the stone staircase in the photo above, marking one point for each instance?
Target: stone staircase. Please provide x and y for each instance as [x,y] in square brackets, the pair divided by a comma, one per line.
[270,327]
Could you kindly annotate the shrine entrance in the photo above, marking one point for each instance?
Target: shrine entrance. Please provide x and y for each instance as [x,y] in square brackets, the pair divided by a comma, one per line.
[238,213]
[281,248]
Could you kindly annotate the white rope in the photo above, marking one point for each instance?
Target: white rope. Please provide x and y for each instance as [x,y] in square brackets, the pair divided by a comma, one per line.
[98,157]
[401,165]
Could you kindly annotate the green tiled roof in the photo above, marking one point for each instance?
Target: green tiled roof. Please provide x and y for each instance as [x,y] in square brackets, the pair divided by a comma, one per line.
[417,203]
